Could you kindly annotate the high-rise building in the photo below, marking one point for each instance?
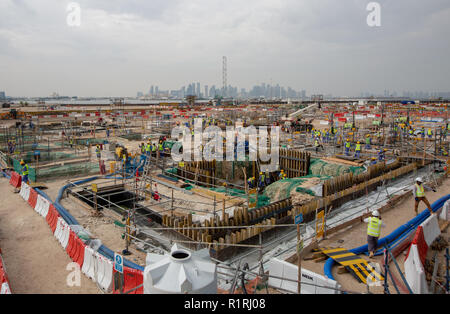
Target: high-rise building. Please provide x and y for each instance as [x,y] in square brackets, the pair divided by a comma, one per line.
[199,93]
[206,91]
[2,95]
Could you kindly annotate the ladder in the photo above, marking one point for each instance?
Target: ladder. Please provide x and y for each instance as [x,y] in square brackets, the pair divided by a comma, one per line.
[146,178]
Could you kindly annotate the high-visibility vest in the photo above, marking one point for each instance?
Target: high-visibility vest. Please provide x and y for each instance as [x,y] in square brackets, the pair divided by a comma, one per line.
[374,227]
[367,140]
[154,148]
[347,144]
[160,147]
[181,164]
[411,132]
[148,148]
[25,170]
[263,178]
[358,147]
[429,132]
[420,192]
[316,143]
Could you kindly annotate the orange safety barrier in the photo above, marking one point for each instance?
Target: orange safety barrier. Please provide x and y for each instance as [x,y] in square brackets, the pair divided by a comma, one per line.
[52,218]
[33,198]
[16,179]
[79,252]
[132,278]
[71,244]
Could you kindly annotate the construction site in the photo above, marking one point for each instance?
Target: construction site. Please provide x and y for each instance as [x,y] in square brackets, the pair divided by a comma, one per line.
[103,180]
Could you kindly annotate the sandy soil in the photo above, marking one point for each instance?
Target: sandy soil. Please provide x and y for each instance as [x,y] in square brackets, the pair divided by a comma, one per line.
[35,261]
[356,236]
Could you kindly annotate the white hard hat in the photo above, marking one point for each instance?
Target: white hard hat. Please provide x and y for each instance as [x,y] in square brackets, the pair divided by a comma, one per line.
[419,179]
[376,213]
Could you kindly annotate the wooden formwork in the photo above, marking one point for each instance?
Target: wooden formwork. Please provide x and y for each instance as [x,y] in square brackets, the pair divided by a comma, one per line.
[266,215]
[295,163]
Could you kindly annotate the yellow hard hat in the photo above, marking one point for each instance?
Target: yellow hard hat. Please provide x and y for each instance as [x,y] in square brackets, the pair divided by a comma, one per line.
[358,142]
[374,158]
[261,172]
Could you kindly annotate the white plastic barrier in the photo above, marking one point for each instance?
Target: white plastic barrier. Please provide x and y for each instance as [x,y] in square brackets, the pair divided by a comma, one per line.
[312,283]
[25,191]
[431,229]
[45,206]
[104,272]
[62,232]
[414,272]
[89,263]
[38,205]
[445,213]
[65,234]
[5,289]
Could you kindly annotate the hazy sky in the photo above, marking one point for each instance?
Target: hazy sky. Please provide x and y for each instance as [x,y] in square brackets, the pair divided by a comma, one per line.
[124,46]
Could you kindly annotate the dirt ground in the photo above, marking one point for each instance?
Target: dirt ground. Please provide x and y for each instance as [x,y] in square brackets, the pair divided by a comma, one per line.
[34,260]
[356,236]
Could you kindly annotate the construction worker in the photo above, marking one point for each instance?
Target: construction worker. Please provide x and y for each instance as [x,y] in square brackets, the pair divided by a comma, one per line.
[373,231]
[25,171]
[347,147]
[419,194]
[368,141]
[282,175]
[262,181]
[142,146]
[71,142]
[251,182]
[148,148]
[381,154]
[316,144]
[373,161]
[358,149]
[430,133]
[97,151]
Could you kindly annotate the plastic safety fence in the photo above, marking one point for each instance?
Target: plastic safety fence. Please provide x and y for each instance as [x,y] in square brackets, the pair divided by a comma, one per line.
[97,265]
[393,238]
[4,281]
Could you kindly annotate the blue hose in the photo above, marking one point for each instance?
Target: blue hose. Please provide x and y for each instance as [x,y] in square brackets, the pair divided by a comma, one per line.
[394,237]
[105,251]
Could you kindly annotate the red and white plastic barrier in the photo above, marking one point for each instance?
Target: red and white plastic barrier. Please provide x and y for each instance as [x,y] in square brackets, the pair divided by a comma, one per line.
[425,234]
[89,263]
[4,282]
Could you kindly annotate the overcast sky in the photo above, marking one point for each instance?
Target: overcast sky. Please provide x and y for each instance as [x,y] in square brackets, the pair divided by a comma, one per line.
[124,46]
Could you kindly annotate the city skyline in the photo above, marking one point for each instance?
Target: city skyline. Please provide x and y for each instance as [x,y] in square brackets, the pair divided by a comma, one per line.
[323,47]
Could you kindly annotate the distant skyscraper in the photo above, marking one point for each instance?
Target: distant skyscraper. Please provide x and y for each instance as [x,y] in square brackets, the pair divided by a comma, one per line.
[198,90]
[206,91]
[2,95]
[156,91]
[224,76]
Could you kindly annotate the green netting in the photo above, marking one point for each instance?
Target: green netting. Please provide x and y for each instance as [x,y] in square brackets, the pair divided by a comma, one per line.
[263,200]
[84,168]
[319,167]
[304,190]
[172,170]
[47,156]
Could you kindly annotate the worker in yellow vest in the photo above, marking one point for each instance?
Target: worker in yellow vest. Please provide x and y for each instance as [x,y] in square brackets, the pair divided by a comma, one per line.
[373,231]
[419,195]
[25,171]
[430,133]
[357,149]
[347,147]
